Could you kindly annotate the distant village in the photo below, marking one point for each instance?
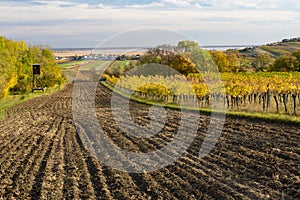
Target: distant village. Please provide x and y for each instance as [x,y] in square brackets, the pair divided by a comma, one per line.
[100,54]
[106,57]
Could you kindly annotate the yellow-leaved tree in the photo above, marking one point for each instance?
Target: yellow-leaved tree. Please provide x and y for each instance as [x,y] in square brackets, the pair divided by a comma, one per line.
[16,59]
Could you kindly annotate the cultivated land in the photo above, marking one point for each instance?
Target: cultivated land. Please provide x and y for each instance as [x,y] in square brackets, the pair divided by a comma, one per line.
[274,50]
[43,157]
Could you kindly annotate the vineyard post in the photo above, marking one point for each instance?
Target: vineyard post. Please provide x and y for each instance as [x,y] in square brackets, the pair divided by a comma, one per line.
[285,98]
[264,101]
[295,102]
[276,101]
[268,97]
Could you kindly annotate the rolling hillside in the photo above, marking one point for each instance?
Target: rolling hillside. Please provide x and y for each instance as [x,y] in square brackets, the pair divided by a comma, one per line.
[276,49]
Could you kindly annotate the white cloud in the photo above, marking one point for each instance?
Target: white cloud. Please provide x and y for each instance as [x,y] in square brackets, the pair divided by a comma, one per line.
[150,5]
[55,20]
[53,2]
[102,6]
[53,11]
[225,4]
[178,3]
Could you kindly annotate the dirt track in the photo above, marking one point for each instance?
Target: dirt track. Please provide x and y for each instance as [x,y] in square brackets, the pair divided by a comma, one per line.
[42,157]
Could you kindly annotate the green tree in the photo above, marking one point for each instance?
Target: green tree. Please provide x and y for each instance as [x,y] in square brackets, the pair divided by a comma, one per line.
[297,55]
[187,46]
[285,64]
[201,58]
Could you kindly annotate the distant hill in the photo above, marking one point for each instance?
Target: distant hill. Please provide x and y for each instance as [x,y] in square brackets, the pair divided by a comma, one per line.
[276,49]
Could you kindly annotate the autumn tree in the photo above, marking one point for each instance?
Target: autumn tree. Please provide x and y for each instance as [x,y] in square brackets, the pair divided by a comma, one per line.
[10,64]
[183,65]
[166,55]
[220,60]
[16,59]
[161,54]
[234,60]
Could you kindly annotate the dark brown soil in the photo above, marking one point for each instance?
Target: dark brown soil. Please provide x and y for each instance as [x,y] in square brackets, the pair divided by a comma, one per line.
[42,157]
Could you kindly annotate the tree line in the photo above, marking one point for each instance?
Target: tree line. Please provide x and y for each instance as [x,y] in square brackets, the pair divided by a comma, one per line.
[187,57]
[16,59]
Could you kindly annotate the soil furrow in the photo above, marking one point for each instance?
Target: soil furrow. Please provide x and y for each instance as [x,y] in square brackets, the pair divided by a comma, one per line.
[43,157]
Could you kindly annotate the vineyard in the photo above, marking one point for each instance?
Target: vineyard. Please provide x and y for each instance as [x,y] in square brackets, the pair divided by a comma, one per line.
[252,92]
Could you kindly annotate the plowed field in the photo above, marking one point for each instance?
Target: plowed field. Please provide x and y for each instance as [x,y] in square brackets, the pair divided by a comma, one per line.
[43,157]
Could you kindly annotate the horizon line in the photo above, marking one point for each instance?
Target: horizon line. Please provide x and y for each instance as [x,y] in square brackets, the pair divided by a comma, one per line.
[91,48]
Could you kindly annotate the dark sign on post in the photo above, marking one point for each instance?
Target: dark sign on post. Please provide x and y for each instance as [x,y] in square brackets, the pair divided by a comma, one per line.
[36,69]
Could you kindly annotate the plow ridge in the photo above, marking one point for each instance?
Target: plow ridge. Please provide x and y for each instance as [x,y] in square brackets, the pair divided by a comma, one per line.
[43,157]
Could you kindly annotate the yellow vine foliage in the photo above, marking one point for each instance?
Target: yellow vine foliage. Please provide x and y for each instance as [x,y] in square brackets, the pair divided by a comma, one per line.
[234,84]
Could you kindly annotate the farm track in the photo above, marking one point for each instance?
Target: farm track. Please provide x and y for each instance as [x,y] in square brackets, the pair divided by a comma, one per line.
[43,157]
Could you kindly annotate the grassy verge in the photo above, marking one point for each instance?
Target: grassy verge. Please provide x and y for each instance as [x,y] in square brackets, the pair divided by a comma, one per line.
[13,100]
[269,117]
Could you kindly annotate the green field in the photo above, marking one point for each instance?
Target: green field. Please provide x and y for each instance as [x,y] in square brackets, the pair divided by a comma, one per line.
[93,65]
[72,64]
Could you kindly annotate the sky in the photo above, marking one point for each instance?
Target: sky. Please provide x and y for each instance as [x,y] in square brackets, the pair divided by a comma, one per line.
[91,23]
